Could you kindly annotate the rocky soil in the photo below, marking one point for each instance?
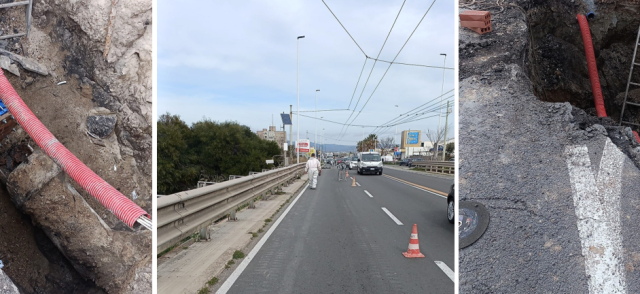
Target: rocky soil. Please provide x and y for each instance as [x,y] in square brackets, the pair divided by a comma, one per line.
[95,97]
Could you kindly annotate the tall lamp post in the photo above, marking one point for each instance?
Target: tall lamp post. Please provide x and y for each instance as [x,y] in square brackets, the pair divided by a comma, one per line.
[316,140]
[396,134]
[298,95]
[440,109]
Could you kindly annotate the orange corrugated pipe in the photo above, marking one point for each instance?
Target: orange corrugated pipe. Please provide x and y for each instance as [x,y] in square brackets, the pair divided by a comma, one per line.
[593,68]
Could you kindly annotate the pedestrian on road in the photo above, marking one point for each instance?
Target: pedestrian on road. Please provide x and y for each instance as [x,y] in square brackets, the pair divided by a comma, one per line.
[313,168]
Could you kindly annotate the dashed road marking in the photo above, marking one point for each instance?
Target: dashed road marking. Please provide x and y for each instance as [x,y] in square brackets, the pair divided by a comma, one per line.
[447,271]
[358,184]
[393,217]
[597,206]
[419,187]
[368,193]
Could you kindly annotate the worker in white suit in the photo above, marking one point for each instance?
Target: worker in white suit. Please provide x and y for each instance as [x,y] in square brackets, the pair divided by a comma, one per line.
[313,168]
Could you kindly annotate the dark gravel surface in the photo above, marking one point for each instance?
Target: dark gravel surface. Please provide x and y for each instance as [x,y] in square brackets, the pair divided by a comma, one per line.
[336,239]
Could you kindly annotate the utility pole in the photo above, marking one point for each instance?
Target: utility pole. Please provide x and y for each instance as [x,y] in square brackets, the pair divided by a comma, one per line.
[298,93]
[440,108]
[444,148]
[291,129]
[315,143]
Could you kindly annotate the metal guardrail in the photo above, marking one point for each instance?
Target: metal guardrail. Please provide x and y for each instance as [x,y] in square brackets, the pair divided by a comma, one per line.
[445,167]
[183,214]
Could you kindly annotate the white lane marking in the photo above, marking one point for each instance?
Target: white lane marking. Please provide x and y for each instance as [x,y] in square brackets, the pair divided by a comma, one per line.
[447,271]
[417,188]
[597,206]
[368,193]
[358,184]
[393,217]
[236,274]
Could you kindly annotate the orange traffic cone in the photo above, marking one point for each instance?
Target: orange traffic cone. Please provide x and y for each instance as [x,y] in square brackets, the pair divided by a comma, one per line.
[347,174]
[353,184]
[414,245]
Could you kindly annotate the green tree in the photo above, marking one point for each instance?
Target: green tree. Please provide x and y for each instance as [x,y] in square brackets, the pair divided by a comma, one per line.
[174,170]
[450,149]
[207,149]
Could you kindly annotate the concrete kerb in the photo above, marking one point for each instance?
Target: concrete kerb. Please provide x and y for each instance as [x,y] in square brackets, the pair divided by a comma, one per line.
[223,274]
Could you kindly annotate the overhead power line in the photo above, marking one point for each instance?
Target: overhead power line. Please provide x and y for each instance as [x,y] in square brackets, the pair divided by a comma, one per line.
[374,63]
[321,110]
[394,59]
[418,108]
[345,29]
[411,64]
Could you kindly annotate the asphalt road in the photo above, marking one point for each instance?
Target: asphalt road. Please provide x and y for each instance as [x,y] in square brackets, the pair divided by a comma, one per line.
[338,239]
[563,200]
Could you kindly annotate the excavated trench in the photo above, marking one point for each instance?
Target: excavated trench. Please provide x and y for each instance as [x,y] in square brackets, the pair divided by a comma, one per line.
[56,238]
[557,63]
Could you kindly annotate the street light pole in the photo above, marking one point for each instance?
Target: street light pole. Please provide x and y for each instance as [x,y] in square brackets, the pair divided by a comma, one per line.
[440,108]
[396,134]
[316,140]
[444,148]
[298,95]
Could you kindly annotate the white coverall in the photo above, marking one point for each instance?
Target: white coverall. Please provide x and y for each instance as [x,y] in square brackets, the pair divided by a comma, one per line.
[312,167]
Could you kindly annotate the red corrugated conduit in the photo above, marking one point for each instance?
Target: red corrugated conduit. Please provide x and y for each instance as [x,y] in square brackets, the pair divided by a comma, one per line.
[112,199]
[593,68]
[637,136]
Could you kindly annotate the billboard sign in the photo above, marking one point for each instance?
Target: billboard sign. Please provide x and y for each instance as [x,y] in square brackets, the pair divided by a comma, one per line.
[303,145]
[410,139]
[413,137]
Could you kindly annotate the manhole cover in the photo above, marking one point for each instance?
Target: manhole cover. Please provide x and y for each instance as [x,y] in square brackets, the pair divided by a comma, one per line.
[473,220]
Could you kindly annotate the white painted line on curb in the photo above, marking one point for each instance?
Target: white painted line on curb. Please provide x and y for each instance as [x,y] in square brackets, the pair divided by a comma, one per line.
[358,184]
[236,274]
[368,193]
[597,206]
[447,271]
[393,217]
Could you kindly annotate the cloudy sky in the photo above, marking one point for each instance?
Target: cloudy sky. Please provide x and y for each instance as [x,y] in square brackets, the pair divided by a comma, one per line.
[236,61]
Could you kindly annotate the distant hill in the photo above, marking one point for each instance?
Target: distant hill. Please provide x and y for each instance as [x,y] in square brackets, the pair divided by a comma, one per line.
[337,148]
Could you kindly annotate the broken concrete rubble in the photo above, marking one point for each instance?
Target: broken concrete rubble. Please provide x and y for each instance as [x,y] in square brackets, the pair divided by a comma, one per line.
[101,125]
[6,285]
[116,260]
[27,63]
[5,63]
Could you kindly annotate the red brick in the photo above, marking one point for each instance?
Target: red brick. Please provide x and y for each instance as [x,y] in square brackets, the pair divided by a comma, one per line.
[475,23]
[482,31]
[475,15]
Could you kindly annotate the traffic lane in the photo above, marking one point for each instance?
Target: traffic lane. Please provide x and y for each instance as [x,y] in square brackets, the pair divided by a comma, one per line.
[391,239]
[415,206]
[438,183]
[336,240]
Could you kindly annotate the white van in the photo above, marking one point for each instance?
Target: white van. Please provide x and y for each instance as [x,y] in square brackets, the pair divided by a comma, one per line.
[369,162]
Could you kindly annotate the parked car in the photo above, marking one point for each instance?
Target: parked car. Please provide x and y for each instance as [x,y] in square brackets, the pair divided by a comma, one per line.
[409,161]
[353,162]
[451,204]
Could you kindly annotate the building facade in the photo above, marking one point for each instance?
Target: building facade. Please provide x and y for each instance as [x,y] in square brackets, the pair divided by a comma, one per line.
[272,134]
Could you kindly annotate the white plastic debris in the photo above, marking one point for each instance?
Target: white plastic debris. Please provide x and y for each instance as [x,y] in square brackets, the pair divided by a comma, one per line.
[62,83]
[134,195]
[1,264]
[115,168]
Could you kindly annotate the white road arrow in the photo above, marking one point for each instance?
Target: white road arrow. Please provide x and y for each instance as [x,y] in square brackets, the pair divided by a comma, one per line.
[597,204]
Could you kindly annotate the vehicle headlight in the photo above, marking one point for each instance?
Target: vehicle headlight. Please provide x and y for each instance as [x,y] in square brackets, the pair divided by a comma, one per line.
[380,164]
